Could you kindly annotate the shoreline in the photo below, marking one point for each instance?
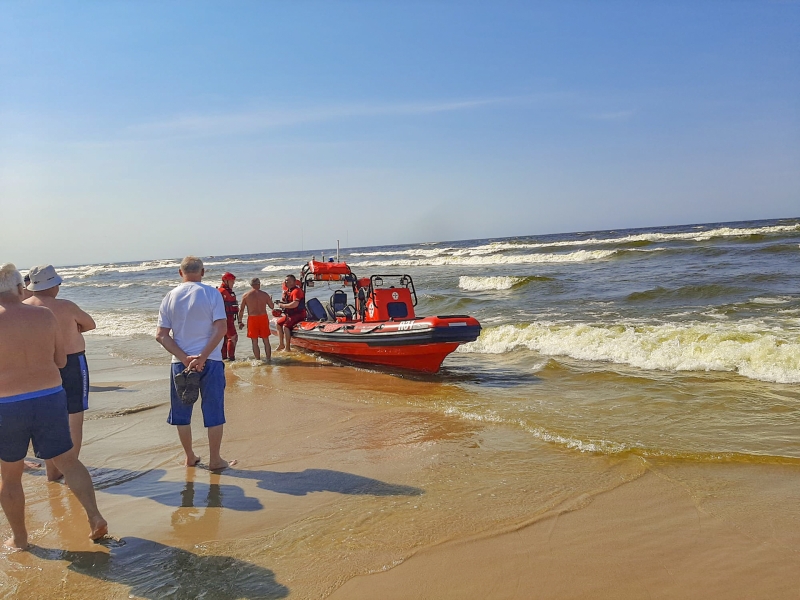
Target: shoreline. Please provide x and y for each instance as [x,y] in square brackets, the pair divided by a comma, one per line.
[345,490]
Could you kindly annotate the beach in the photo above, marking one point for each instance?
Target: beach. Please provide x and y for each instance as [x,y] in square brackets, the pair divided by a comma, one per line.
[344,489]
[625,426]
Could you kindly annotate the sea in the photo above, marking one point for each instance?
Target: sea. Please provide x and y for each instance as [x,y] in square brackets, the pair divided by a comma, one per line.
[651,373]
[680,341]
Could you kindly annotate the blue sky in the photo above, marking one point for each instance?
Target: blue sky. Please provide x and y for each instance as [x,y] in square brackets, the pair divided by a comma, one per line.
[137,130]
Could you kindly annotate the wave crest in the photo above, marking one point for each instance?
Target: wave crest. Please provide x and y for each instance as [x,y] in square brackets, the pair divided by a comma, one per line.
[482,284]
[744,349]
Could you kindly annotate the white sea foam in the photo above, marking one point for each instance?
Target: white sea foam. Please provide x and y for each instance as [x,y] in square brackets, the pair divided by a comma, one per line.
[694,236]
[125,324]
[480,284]
[288,268]
[495,259]
[777,300]
[751,350]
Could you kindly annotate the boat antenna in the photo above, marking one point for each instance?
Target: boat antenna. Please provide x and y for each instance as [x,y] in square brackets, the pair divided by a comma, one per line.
[337,250]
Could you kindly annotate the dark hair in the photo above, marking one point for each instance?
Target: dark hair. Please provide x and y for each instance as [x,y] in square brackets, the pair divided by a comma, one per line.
[292,276]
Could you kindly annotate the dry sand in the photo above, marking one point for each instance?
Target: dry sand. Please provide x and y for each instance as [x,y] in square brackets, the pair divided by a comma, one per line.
[343,491]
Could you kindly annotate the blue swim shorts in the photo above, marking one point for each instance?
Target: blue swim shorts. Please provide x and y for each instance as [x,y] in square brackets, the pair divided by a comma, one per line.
[212,396]
[39,417]
[75,379]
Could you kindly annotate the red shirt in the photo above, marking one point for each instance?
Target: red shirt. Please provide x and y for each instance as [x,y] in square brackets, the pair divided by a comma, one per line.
[290,296]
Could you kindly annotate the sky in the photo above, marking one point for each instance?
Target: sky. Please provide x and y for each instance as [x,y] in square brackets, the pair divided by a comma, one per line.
[142,130]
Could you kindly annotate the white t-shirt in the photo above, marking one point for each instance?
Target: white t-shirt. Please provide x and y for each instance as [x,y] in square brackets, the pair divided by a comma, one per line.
[190,311]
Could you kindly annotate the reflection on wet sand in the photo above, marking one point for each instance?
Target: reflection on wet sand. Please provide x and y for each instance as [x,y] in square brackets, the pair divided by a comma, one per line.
[154,571]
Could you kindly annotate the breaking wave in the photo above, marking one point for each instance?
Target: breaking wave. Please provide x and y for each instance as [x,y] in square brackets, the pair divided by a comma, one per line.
[125,324]
[745,349]
[481,284]
[497,259]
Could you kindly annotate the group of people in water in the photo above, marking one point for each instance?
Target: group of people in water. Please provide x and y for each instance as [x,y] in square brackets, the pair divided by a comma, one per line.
[44,376]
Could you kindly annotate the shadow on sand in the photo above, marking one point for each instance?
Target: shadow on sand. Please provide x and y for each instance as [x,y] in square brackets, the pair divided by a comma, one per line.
[323,480]
[156,571]
[149,484]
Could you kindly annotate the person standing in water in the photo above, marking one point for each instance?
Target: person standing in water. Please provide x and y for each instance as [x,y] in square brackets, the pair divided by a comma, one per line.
[231,312]
[191,327]
[33,407]
[45,284]
[256,302]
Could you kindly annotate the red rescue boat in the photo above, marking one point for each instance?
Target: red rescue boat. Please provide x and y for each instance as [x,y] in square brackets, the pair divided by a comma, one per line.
[378,324]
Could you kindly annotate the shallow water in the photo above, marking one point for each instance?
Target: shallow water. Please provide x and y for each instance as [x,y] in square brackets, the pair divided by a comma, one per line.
[676,341]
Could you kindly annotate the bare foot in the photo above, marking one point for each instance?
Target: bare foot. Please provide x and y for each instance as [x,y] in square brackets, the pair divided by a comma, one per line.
[223,464]
[279,349]
[53,474]
[99,528]
[16,545]
[192,462]
[29,464]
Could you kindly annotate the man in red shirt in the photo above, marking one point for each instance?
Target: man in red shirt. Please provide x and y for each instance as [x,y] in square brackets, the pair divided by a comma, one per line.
[231,312]
[293,304]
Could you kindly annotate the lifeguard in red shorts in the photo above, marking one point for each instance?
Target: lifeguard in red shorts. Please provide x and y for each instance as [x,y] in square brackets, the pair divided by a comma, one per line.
[231,312]
[293,305]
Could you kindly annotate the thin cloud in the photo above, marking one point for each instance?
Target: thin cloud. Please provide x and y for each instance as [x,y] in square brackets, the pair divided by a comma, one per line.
[221,124]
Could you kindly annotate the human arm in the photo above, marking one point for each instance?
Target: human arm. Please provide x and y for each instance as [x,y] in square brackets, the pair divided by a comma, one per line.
[269,302]
[84,321]
[241,309]
[164,338]
[59,352]
[219,329]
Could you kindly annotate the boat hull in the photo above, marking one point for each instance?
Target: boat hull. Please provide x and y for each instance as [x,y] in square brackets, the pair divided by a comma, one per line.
[419,344]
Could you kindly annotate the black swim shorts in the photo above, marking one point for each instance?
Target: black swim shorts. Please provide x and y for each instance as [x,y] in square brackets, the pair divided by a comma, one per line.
[75,379]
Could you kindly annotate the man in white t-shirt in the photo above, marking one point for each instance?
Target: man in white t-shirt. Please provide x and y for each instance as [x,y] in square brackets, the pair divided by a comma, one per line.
[194,314]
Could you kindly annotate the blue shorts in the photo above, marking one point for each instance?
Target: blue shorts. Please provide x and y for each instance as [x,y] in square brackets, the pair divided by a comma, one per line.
[75,379]
[38,417]
[212,396]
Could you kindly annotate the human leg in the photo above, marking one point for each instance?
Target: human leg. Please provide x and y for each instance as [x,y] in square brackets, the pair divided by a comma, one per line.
[267,349]
[76,434]
[185,436]
[212,393]
[180,415]
[256,349]
[12,499]
[79,482]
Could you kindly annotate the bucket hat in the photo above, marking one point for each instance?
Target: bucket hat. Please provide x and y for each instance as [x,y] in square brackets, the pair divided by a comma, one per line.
[43,278]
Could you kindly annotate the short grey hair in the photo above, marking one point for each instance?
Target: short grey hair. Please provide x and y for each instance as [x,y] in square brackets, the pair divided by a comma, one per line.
[191,264]
[255,281]
[10,278]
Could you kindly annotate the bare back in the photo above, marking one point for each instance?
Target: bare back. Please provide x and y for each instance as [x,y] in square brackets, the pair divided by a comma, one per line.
[256,302]
[31,349]
[72,321]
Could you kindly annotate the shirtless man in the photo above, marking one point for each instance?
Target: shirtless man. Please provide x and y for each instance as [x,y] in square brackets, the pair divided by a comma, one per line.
[33,407]
[45,284]
[256,303]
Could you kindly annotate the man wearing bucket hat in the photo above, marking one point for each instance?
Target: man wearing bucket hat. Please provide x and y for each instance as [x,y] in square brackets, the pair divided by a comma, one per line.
[45,284]
[232,313]
[33,407]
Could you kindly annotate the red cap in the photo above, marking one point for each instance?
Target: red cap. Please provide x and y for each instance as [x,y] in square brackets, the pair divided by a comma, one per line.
[228,275]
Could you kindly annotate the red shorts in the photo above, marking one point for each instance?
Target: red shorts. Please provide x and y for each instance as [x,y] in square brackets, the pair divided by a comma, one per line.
[257,326]
[287,321]
[231,327]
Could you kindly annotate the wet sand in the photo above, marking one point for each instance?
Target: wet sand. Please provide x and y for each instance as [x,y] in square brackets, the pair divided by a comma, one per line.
[351,484]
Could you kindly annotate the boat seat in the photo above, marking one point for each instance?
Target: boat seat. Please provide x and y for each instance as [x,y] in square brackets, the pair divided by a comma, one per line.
[338,307]
[315,311]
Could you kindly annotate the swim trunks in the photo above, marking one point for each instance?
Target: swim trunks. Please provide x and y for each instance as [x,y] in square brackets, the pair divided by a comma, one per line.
[40,417]
[257,326]
[75,379]
[212,396]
